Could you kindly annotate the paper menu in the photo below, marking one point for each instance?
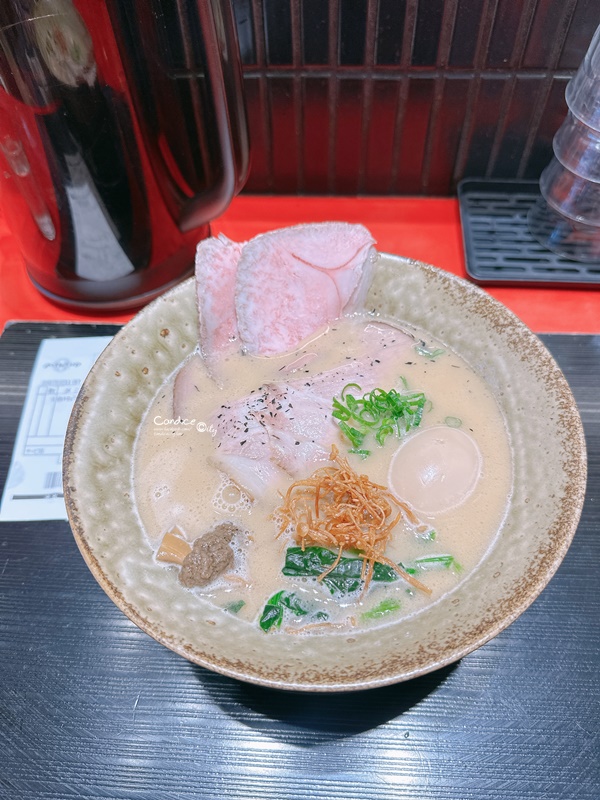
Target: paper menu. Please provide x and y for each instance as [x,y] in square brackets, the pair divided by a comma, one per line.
[33,489]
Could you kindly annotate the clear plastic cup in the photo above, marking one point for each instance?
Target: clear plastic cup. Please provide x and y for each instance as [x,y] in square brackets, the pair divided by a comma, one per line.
[583,90]
[577,147]
[566,218]
[571,195]
[564,236]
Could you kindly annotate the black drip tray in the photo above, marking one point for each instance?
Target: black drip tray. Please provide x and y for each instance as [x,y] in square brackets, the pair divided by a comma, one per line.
[499,247]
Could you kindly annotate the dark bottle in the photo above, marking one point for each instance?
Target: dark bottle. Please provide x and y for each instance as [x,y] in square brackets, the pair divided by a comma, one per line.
[123,132]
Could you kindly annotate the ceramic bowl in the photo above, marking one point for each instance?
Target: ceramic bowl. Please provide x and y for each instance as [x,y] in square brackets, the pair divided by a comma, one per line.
[549,463]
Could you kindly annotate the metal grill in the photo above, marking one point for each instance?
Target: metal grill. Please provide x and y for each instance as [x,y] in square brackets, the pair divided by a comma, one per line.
[499,248]
[382,97]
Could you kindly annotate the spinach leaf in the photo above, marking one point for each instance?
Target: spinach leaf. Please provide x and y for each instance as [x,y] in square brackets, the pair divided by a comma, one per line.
[273,611]
[345,578]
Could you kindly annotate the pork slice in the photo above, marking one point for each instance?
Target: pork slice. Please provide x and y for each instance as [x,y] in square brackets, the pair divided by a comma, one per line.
[254,475]
[286,427]
[292,282]
[292,430]
[216,272]
[242,445]
[303,434]
[186,388]
[260,440]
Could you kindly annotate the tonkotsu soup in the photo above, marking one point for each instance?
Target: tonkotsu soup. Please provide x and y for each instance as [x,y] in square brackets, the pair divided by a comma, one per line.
[345,485]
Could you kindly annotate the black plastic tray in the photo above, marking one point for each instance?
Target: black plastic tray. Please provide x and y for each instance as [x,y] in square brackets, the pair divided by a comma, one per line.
[499,248]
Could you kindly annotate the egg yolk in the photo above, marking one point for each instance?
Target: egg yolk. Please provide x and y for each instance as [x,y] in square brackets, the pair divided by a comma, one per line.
[435,469]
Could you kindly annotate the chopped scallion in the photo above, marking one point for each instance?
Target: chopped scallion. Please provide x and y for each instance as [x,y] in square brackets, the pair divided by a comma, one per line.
[382,609]
[347,386]
[432,562]
[236,606]
[378,412]
[424,351]
[362,453]
[453,422]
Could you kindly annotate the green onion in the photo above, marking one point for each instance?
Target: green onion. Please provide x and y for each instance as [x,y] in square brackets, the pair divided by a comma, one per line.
[236,606]
[347,386]
[384,608]
[340,411]
[356,437]
[378,412]
[453,422]
[362,453]
[424,351]
[431,562]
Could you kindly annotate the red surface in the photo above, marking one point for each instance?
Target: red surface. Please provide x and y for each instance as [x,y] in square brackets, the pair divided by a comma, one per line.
[426,229]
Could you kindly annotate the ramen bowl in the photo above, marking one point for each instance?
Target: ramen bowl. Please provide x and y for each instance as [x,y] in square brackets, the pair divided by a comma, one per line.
[549,476]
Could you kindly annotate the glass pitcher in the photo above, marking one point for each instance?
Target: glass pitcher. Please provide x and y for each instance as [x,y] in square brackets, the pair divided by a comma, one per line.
[122,134]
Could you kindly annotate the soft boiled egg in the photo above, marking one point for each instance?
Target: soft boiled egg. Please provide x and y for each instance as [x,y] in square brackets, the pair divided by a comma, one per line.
[435,469]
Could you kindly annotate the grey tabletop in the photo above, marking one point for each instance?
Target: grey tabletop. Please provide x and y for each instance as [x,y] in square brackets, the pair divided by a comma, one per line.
[91,707]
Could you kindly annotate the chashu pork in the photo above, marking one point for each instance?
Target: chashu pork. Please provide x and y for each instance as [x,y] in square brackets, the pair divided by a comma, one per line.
[284,427]
[269,294]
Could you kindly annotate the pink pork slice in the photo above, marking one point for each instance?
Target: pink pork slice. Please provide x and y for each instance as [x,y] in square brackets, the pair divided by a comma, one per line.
[216,272]
[287,427]
[292,282]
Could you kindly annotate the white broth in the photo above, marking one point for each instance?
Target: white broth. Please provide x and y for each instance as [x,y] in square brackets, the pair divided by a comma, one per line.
[177,483]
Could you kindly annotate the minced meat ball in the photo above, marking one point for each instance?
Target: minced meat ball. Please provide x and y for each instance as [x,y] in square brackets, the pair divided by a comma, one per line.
[211,555]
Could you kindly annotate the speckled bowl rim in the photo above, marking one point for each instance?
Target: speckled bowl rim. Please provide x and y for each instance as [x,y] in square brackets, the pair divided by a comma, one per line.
[565,524]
